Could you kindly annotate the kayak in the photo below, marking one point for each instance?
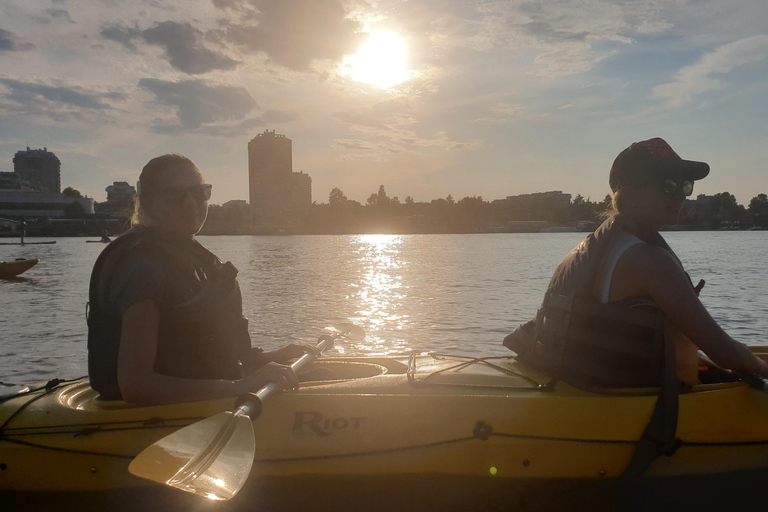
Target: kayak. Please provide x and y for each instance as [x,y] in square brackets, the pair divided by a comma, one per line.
[14,268]
[471,419]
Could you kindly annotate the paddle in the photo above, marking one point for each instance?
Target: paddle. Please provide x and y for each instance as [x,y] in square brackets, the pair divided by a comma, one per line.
[213,457]
[751,379]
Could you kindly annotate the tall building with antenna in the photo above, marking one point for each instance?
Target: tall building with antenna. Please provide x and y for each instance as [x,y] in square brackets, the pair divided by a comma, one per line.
[277,194]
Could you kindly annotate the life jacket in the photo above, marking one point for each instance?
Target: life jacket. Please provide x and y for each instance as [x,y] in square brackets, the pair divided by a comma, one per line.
[585,342]
[577,339]
[202,333]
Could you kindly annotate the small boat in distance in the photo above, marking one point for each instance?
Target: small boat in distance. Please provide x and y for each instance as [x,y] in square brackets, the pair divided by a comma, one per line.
[104,239]
[9,269]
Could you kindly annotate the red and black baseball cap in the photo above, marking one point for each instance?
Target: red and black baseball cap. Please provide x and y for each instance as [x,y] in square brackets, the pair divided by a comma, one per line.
[649,162]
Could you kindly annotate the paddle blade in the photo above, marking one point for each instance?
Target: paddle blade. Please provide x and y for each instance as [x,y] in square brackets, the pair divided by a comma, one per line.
[211,458]
[348,330]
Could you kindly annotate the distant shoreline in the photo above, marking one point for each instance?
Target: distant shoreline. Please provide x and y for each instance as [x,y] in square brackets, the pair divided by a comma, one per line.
[286,232]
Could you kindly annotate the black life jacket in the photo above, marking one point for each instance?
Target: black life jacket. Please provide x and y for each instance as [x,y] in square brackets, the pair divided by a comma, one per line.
[202,333]
[577,339]
[582,341]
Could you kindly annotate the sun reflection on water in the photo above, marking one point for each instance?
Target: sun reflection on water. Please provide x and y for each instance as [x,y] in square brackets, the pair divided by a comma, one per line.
[379,291]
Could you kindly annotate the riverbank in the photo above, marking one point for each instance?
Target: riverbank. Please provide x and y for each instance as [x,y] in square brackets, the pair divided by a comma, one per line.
[68,228]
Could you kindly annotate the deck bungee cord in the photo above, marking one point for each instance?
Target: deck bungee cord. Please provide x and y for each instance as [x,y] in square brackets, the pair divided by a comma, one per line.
[417,382]
[78,429]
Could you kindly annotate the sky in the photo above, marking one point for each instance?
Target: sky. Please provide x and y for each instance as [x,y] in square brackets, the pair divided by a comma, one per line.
[426,97]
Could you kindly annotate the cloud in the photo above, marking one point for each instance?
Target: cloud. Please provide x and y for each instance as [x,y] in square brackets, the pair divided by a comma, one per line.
[232,130]
[53,15]
[546,32]
[184,49]
[198,103]
[58,102]
[121,34]
[229,4]
[294,33]
[9,43]
[280,116]
[342,144]
[561,36]
[698,78]
[59,15]
[500,113]
[183,45]
[29,93]
[386,126]
[361,121]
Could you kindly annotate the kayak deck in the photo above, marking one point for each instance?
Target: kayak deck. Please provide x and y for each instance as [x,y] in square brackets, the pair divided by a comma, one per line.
[485,418]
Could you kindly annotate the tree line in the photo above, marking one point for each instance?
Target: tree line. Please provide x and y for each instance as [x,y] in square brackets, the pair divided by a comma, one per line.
[382,213]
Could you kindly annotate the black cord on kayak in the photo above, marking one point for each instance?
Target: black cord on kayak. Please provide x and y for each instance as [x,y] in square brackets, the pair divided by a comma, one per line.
[53,383]
[47,387]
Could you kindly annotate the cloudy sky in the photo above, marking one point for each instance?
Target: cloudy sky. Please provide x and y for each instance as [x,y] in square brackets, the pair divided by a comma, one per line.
[427,97]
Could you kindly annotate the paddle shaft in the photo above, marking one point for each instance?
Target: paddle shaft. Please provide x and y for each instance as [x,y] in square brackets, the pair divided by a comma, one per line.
[751,379]
[250,404]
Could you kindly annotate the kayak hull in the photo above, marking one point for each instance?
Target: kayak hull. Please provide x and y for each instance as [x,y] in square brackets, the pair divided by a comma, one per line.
[442,418]
[9,269]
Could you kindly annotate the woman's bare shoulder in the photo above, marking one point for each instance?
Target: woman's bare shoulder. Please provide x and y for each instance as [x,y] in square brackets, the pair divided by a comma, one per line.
[650,257]
[646,271]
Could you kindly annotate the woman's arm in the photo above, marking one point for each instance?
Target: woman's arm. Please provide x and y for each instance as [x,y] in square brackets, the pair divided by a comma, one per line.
[649,271]
[140,384]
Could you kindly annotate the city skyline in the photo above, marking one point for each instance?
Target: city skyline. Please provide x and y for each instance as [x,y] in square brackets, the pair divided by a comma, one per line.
[429,98]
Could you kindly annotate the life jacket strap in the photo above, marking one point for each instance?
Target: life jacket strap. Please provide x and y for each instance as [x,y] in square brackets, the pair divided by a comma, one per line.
[659,437]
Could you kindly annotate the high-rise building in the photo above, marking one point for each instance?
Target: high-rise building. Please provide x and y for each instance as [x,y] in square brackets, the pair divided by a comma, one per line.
[39,168]
[276,192]
[301,191]
[120,193]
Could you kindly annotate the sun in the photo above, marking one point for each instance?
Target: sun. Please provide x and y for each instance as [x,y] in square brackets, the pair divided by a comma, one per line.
[380,61]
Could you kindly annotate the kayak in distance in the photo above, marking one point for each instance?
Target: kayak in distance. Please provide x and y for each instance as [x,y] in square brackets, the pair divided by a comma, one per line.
[420,432]
[10,269]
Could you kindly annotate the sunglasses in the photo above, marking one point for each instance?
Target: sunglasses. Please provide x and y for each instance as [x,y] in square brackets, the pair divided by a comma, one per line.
[671,186]
[175,196]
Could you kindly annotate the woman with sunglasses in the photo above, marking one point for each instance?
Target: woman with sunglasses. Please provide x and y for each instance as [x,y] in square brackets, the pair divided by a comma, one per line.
[620,308]
[621,312]
[165,319]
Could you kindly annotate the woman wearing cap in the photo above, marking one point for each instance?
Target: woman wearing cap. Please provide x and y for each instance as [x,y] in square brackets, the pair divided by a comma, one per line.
[620,311]
[165,322]
[620,308]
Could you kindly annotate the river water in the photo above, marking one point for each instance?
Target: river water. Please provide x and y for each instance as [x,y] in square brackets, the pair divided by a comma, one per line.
[449,293]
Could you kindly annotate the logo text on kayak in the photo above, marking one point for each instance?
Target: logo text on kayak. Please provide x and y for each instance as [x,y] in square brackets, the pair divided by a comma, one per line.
[314,422]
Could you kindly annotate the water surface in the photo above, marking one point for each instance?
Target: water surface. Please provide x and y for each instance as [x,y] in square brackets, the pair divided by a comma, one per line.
[450,293]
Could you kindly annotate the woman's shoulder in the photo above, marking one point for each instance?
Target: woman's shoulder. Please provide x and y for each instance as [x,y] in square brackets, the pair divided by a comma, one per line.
[650,261]
[140,273]
[129,250]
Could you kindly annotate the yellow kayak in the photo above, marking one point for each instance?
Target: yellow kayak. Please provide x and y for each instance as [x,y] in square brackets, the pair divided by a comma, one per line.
[483,420]
[10,269]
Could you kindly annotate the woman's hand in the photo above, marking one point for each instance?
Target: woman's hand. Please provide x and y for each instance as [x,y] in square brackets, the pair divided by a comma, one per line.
[290,352]
[280,374]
